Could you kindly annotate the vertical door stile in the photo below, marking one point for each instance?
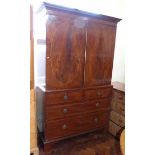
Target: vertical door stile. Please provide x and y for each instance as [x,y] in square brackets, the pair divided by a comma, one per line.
[85,54]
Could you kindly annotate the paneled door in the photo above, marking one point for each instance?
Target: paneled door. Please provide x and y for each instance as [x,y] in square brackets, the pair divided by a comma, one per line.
[99,53]
[66,39]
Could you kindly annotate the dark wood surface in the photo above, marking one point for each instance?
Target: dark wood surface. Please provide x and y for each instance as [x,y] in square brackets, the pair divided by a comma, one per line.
[64,96]
[79,50]
[75,125]
[65,51]
[99,53]
[72,109]
[53,7]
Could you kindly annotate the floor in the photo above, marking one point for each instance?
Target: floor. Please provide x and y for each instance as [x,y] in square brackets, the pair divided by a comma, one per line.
[96,143]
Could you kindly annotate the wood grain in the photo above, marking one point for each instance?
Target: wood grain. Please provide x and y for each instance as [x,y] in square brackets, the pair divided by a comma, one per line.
[65,49]
[99,52]
[79,50]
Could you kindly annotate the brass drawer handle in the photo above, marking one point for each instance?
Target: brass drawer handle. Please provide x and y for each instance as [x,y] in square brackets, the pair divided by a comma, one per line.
[65,97]
[98,93]
[97,104]
[96,119]
[65,110]
[64,126]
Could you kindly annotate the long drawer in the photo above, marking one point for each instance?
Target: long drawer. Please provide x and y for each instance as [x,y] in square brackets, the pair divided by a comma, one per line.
[74,125]
[62,111]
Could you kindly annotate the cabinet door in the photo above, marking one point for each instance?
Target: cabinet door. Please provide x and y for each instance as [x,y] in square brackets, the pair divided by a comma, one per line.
[99,53]
[66,39]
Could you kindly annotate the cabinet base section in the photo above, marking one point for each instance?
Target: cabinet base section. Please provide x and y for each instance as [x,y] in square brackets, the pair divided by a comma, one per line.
[49,146]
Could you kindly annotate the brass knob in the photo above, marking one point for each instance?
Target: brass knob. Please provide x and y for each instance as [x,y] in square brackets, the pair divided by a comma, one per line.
[65,110]
[65,97]
[97,104]
[64,126]
[98,93]
[96,119]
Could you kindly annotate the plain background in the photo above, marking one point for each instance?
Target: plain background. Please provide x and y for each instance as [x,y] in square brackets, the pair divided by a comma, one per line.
[139,77]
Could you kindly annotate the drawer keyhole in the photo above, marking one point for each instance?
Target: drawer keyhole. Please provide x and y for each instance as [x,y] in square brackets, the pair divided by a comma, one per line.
[64,126]
[98,93]
[65,110]
[96,119]
[97,104]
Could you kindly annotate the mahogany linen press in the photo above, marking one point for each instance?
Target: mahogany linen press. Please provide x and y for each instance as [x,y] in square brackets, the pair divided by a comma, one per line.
[74,60]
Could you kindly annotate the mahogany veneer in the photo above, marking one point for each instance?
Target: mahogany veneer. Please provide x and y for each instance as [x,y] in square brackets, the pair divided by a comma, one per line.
[75,52]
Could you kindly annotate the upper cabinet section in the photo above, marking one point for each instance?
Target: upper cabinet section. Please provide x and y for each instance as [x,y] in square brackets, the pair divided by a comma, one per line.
[79,47]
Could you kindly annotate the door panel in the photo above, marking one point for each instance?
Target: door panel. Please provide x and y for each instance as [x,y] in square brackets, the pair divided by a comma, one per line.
[66,39]
[99,54]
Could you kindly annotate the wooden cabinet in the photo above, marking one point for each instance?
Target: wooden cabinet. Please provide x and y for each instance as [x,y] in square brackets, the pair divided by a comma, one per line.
[75,65]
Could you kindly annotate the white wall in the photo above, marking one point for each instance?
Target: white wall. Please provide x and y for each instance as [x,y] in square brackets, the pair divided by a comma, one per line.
[119,55]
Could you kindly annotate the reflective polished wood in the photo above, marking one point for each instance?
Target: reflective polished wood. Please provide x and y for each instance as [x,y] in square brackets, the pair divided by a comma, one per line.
[75,57]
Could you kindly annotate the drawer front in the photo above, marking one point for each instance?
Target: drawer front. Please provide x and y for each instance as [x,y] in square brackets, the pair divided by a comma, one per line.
[63,97]
[118,96]
[75,125]
[118,107]
[62,111]
[113,128]
[117,118]
[98,93]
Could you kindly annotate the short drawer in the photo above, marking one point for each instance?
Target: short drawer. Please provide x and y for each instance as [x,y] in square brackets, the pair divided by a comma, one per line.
[113,128]
[62,111]
[118,107]
[98,93]
[63,97]
[117,118]
[75,125]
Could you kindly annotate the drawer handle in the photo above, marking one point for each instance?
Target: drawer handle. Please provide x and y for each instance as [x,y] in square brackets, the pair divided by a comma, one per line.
[64,126]
[98,93]
[96,120]
[65,110]
[97,104]
[65,97]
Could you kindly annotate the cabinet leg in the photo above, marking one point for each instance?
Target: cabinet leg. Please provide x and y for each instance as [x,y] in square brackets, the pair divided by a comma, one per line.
[48,148]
